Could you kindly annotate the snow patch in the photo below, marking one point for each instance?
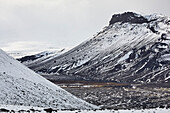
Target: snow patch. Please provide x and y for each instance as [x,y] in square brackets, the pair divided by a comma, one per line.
[126,56]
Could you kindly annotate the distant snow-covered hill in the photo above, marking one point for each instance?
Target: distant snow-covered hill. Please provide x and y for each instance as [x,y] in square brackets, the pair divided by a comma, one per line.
[21,86]
[133,48]
[40,57]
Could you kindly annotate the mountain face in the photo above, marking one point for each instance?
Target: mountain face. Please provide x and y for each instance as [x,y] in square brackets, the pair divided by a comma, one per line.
[131,49]
[21,86]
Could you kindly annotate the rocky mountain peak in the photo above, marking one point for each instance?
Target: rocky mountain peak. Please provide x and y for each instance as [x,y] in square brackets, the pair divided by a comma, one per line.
[130,17]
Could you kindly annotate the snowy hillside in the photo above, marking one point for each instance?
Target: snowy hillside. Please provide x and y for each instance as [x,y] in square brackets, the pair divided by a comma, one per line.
[132,48]
[26,109]
[21,86]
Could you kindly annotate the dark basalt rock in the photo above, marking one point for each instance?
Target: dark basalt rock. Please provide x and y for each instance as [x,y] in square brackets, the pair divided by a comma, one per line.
[27,58]
[128,17]
[48,110]
[4,110]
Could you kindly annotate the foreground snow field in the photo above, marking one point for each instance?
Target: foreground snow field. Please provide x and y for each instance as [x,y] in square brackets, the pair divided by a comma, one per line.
[26,109]
[21,86]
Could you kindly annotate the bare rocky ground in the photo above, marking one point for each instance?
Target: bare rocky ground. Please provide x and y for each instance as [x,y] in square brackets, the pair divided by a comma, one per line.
[122,97]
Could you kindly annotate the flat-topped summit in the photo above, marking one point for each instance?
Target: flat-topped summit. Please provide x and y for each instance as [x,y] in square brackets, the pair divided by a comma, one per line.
[130,17]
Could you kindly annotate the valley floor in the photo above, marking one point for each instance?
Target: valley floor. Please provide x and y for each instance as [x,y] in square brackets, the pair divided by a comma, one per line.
[120,96]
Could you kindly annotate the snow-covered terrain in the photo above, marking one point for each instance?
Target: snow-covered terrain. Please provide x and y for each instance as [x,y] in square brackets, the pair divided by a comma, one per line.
[22,51]
[133,48]
[21,86]
[28,109]
[41,57]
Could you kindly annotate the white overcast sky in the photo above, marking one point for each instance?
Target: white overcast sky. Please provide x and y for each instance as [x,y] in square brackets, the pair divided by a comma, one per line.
[26,24]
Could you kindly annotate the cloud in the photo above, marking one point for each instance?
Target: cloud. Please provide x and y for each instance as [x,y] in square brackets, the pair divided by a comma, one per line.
[64,23]
[47,20]
[19,49]
[24,45]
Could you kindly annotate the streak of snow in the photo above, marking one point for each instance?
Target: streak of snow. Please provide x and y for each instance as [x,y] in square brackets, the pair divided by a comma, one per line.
[126,56]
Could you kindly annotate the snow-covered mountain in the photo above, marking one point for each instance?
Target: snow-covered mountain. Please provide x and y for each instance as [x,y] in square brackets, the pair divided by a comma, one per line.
[133,48]
[22,86]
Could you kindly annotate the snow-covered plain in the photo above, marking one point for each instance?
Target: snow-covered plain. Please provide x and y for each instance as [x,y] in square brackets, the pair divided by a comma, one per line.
[21,86]
[24,109]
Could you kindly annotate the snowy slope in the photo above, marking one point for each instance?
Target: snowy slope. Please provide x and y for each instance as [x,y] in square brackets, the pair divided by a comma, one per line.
[132,48]
[21,86]
[26,109]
